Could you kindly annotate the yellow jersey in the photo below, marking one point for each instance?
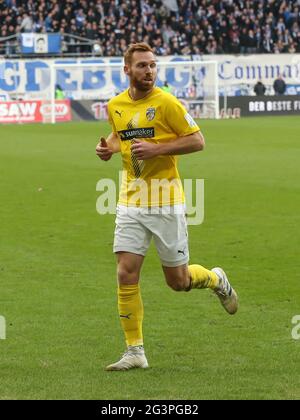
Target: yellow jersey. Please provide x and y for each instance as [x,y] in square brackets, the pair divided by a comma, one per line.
[157,118]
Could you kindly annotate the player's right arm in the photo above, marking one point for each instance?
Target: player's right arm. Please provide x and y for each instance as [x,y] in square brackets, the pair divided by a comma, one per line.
[107,147]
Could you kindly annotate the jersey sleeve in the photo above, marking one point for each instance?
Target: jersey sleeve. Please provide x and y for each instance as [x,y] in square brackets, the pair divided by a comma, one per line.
[178,118]
[110,119]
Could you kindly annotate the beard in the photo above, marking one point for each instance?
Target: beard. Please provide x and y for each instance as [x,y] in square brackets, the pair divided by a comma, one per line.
[143,85]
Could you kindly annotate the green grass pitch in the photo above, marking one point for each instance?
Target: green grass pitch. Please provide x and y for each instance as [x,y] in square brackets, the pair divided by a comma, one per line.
[58,281]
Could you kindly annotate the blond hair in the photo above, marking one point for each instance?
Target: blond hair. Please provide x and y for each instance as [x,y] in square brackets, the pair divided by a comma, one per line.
[140,46]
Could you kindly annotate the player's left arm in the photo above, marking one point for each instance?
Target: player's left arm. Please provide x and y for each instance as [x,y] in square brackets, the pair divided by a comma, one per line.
[175,118]
[181,146]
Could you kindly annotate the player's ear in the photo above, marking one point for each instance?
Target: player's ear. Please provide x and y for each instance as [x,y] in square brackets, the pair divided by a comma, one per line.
[126,69]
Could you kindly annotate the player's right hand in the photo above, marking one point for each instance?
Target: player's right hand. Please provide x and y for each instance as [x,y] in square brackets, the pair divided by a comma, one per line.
[103,150]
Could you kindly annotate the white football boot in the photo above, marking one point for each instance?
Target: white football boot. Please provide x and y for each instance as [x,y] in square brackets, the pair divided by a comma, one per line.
[225,292]
[134,357]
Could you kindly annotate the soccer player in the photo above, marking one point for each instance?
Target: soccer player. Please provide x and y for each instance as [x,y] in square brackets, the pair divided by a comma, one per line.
[150,128]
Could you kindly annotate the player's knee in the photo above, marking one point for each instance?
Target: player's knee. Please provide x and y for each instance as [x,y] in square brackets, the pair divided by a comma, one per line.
[127,277]
[177,287]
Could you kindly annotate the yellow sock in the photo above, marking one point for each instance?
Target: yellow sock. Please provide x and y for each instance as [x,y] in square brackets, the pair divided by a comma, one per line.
[131,313]
[201,278]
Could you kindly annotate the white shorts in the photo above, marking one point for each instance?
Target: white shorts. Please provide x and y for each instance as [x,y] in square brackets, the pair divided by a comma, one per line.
[135,227]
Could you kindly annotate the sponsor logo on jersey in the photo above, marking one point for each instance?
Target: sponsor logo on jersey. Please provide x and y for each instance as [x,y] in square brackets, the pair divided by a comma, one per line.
[137,133]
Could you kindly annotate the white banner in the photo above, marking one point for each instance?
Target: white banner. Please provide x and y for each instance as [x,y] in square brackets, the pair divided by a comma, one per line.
[238,74]
[30,79]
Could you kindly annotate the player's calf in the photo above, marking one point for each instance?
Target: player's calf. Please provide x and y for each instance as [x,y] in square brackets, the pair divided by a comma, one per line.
[177,278]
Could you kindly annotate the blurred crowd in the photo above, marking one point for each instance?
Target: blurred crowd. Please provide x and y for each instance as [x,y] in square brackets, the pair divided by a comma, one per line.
[174,27]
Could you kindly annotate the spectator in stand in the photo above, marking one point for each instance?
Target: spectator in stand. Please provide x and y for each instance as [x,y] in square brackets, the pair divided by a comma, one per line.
[27,23]
[279,86]
[259,88]
[298,43]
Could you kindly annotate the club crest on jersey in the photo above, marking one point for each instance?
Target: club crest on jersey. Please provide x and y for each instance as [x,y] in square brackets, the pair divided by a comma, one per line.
[150,114]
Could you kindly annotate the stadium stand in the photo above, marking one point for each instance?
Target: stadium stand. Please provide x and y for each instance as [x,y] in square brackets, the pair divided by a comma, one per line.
[172,27]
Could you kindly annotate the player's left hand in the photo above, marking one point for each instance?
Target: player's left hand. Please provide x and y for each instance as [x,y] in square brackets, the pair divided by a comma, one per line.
[144,150]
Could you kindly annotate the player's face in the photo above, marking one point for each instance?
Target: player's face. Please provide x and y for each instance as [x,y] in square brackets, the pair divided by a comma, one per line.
[142,71]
